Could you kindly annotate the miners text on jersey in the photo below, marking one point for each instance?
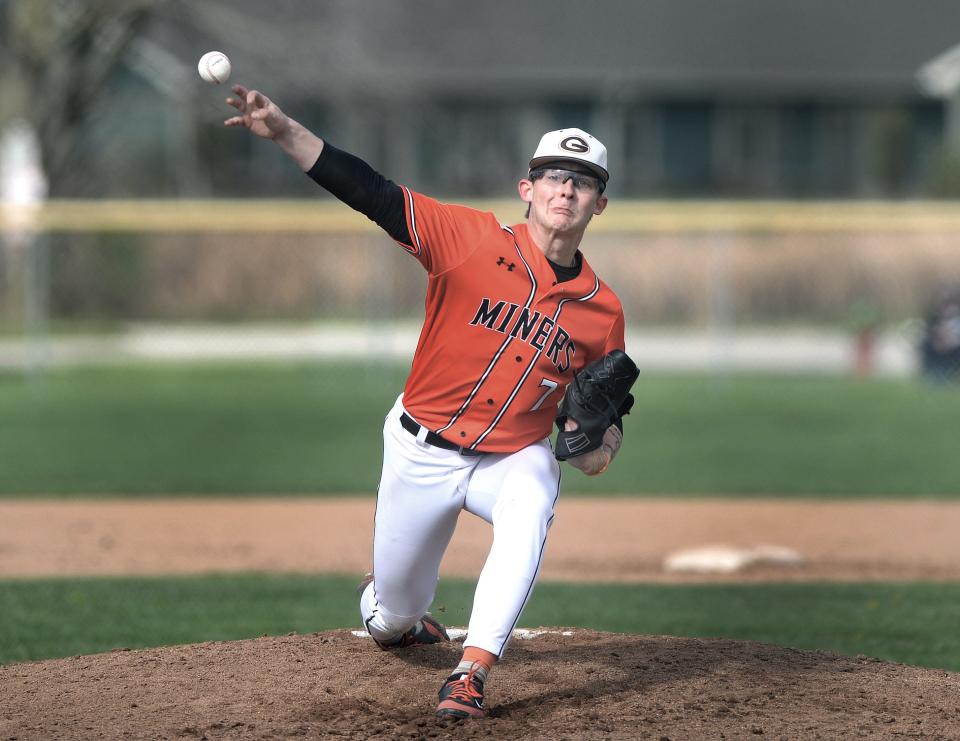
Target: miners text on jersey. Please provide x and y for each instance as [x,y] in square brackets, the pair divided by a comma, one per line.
[531,327]
[501,337]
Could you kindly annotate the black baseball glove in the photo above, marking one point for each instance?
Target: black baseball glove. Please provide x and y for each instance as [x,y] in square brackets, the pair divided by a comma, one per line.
[598,398]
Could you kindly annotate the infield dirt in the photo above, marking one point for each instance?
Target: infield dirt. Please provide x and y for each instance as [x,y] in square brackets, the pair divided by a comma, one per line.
[838,540]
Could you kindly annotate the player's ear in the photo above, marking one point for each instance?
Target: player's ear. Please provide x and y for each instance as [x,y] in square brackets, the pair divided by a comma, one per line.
[601,204]
[525,187]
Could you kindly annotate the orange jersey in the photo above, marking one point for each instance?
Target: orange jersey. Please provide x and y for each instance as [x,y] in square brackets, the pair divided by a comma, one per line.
[501,338]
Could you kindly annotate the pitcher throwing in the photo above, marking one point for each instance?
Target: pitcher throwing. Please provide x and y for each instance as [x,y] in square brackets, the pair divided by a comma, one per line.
[512,314]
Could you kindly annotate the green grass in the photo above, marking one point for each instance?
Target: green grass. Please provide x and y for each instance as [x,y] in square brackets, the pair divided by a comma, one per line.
[909,623]
[316,429]
[59,327]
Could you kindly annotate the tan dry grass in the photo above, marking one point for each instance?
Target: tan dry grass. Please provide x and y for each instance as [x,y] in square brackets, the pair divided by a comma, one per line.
[669,262]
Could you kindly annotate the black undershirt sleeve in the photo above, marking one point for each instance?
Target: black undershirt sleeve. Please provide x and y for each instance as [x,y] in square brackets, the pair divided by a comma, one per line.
[362,188]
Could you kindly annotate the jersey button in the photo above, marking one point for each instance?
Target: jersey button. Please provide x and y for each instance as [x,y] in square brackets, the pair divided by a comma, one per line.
[518,359]
[490,401]
[463,434]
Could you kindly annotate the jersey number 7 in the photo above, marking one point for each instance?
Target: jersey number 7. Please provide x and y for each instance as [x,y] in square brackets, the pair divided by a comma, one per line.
[551,387]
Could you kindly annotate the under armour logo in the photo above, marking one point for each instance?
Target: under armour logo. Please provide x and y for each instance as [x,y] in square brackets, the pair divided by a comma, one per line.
[510,265]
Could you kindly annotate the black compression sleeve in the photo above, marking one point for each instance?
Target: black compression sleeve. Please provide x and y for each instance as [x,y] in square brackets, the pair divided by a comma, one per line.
[362,188]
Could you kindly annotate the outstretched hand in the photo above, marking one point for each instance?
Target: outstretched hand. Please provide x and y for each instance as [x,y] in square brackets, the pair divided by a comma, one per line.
[258,113]
[595,462]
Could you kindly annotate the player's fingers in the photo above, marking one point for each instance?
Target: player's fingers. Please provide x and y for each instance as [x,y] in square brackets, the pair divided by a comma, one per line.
[240,90]
[612,439]
[571,425]
[257,99]
[600,463]
[235,121]
[607,458]
[267,115]
[236,103]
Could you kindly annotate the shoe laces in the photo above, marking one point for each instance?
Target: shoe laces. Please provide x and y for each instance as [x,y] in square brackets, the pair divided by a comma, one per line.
[464,689]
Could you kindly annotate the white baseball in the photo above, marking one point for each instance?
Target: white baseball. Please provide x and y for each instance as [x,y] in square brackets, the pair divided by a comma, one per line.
[214,67]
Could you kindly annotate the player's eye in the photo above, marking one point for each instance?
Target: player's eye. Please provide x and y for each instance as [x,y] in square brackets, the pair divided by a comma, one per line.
[582,183]
[585,183]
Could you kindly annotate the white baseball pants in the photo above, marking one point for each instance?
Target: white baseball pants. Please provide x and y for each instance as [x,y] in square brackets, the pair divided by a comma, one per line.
[422,491]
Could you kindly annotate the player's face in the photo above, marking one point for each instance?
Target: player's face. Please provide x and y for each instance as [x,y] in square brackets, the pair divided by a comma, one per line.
[562,200]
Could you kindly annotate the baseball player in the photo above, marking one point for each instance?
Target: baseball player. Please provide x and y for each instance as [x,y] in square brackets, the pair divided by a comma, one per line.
[512,313]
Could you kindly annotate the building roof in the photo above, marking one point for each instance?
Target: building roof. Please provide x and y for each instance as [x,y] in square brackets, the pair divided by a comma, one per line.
[606,50]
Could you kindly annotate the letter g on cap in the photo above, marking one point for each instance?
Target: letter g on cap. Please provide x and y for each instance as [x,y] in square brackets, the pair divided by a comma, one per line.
[574,144]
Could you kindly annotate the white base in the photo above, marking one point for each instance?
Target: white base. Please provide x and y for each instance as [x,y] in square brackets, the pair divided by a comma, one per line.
[728,559]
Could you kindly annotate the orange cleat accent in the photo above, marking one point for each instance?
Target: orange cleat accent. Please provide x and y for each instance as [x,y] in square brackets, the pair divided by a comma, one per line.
[462,696]
[426,632]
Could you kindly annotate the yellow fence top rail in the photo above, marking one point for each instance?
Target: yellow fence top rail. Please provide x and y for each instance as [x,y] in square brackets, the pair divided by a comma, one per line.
[330,216]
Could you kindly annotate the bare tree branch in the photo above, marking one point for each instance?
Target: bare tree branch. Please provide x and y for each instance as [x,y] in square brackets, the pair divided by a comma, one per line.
[57,56]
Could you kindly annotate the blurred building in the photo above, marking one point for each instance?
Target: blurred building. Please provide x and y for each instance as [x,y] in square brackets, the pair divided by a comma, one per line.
[741,98]
[745,98]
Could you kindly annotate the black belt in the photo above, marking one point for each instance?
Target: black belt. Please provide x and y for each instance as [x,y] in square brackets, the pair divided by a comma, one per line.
[411,426]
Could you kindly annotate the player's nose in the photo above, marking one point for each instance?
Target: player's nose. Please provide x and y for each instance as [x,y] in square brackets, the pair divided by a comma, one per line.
[567,189]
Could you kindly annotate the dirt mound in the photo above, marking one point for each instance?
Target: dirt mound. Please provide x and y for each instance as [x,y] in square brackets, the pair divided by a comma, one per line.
[581,685]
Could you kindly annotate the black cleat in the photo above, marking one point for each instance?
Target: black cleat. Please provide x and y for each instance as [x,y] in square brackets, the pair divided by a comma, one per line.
[427,631]
[462,696]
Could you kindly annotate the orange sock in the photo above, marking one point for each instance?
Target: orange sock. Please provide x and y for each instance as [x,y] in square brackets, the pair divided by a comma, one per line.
[473,654]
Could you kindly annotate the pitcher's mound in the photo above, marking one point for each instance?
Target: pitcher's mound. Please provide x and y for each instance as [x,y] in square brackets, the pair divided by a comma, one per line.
[577,685]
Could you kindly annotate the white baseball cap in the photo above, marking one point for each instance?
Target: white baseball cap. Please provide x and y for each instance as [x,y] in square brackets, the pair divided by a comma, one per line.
[572,145]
